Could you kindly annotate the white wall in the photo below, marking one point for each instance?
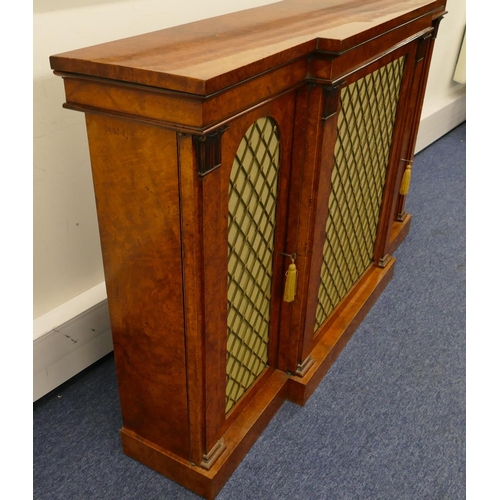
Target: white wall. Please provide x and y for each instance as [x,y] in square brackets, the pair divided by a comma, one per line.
[444,104]
[440,83]
[67,266]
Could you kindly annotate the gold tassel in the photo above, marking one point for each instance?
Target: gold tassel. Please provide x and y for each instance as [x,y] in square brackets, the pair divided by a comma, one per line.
[405,181]
[290,283]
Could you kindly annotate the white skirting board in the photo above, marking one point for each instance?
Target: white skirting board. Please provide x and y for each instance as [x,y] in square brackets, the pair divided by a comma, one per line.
[60,351]
[69,348]
[437,121]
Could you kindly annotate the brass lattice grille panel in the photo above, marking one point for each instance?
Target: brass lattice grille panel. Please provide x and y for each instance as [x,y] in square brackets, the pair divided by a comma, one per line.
[365,125]
[253,192]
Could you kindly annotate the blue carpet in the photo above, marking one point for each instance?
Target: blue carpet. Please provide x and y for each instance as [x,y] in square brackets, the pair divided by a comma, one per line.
[387,422]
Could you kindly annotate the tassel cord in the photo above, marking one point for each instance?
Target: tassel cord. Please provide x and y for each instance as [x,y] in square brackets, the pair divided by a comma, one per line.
[290,283]
[405,181]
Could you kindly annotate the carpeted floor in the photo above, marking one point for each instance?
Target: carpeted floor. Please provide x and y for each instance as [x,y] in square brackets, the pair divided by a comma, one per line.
[386,423]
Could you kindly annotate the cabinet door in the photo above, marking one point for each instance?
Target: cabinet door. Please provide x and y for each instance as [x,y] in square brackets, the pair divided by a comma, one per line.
[253,238]
[365,131]
[244,212]
[355,191]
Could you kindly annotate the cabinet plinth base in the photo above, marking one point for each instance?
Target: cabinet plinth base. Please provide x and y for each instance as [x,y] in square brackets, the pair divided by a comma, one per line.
[341,330]
[239,438]
[399,231]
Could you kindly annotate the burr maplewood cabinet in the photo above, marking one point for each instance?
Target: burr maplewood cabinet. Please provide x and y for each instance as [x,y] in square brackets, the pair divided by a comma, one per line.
[250,176]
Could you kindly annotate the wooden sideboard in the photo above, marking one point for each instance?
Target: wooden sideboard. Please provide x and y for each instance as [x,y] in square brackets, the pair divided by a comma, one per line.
[250,175]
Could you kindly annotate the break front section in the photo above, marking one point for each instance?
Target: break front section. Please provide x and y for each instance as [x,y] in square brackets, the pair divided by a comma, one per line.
[366,134]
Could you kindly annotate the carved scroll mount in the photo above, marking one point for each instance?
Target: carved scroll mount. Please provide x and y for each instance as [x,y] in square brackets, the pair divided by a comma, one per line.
[435,25]
[330,100]
[209,151]
[422,45]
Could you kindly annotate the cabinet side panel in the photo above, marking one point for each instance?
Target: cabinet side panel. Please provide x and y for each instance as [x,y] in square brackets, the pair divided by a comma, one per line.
[136,187]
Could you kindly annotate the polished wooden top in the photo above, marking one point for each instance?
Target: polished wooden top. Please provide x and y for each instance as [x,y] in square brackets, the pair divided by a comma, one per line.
[207,56]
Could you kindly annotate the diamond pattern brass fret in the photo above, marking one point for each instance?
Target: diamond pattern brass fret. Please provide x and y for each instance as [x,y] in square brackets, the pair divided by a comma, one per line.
[365,126]
[252,207]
